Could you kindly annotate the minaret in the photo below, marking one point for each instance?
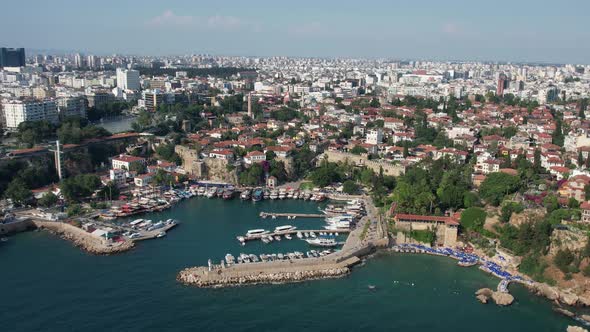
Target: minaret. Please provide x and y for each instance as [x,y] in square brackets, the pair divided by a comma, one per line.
[58,160]
[250,104]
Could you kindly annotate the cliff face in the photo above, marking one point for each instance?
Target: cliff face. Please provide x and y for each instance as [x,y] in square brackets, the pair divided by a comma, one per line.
[216,170]
[572,239]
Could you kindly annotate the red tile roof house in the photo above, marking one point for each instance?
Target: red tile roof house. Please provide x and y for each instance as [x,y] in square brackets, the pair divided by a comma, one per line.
[222,154]
[125,161]
[254,157]
[280,151]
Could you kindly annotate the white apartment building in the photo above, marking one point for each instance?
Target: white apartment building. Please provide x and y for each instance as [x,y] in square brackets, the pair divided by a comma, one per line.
[128,79]
[18,111]
[71,106]
[374,136]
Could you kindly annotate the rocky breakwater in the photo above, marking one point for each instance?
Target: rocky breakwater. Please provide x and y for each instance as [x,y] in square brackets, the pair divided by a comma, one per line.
[192,277]
[83,239]
[500,298]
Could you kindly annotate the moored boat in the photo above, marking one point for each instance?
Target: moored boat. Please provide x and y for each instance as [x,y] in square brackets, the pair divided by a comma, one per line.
[257,194]
[245,195]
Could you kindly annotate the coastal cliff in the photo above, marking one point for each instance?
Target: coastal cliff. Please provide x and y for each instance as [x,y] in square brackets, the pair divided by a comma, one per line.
[558,295]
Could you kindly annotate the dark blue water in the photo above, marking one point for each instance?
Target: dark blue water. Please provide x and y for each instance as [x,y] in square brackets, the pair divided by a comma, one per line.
[48,285]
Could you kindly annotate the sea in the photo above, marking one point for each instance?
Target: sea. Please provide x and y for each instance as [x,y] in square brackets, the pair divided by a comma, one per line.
[46,284]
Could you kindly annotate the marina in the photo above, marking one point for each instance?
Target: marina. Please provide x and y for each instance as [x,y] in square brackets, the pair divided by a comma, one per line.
[204,234]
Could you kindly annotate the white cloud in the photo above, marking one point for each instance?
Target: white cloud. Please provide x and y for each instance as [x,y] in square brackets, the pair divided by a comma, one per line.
[451,28]
[169,19]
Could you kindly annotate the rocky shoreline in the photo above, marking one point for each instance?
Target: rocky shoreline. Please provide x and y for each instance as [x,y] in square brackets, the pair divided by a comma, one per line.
[84,240]
[500,298]
[194,277]
[559,296]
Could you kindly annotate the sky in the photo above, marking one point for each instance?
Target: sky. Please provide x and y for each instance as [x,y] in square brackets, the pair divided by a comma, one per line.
[493,30]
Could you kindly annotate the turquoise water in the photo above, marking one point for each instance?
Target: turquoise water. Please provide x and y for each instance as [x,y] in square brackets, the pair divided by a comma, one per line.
[48,285]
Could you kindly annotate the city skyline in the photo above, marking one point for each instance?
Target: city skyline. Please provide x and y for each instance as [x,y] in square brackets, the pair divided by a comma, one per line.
[512,32]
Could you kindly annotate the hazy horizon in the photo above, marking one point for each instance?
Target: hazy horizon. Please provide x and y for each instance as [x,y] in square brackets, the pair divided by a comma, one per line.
[460,30]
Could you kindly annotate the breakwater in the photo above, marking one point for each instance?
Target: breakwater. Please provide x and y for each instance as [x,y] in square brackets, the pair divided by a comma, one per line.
[268,272]
[83,239]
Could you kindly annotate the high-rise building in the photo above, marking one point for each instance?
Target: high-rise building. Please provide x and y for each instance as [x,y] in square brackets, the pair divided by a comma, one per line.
[18,111]
[502,84]
[92,61]
[12,57]
[78,61]
[128,79]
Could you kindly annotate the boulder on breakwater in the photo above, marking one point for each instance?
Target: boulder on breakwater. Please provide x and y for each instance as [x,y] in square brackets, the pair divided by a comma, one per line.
[500,298]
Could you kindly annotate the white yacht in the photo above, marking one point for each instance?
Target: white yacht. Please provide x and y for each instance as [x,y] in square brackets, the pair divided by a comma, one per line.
[256,232]
[285,228]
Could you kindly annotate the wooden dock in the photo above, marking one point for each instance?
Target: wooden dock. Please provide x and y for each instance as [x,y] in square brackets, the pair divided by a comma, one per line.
[275,215]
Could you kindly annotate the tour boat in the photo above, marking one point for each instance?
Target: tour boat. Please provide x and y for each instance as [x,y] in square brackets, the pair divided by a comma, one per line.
[282,193]
[274,195]
[256,232]
[284,228]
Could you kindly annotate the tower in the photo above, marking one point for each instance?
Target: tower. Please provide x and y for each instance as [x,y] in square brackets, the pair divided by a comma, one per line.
[250,104]
[502,84]
[58,160]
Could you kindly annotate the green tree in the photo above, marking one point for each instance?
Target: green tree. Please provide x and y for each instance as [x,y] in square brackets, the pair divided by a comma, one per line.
[473,219]
[563,260]
[497,185]
[18,191]
[349,187]
[48,200]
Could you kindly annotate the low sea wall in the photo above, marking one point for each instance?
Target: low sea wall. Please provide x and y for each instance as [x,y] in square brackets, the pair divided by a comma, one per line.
[83,239]
[266,272]
[16,227]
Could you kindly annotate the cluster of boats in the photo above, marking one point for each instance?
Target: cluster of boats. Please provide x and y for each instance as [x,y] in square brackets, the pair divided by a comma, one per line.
[147,225]
[227,192]
[256,194]
[325,239]
[147,201]
[251,258]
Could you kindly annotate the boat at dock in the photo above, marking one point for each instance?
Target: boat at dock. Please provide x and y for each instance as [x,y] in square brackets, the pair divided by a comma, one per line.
[228,194]
[285,228]
[257,194]
[211,192]
[266,194]
[282,193]
[274,195]
[288,236]
[245,195]
[253,232]
[299,235]
[161,234]
[322,242]
[229,259]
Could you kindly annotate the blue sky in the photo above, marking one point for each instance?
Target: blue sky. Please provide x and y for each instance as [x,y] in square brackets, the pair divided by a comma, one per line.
[516,30]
